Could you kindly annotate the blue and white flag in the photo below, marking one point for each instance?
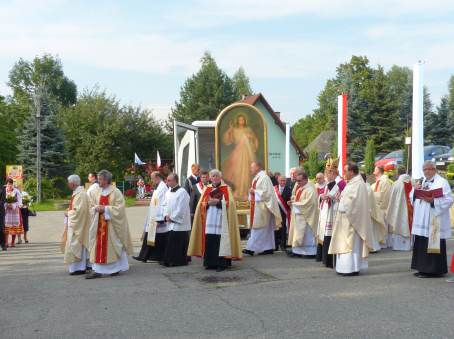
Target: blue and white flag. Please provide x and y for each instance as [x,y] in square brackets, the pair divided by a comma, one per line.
[137,160]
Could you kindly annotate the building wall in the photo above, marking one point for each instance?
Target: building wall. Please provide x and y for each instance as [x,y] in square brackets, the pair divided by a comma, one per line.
[276,144]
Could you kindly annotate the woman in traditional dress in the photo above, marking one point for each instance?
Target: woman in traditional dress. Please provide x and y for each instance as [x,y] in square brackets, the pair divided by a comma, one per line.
[13,220]
[236,166]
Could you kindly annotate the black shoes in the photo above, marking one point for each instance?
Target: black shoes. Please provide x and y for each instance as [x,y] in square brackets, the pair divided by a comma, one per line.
[266,252]
[139,259]
[93,275]
[77,273]
[353,274]
[251,253]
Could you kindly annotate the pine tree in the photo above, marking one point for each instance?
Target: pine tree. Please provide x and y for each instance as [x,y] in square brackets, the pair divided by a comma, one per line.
[430,120]
[369,158]
[444,125]
[241,83]
[52,143]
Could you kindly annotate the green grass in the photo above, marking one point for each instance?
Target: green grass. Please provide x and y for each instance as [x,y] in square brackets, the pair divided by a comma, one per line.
[49,205]
[130,201]
[55,205]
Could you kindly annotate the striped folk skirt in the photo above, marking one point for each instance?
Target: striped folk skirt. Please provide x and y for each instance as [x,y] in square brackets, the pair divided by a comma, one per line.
[13,221]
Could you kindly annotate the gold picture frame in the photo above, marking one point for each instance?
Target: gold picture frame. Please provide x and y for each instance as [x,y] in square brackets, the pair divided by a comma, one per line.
[255,129]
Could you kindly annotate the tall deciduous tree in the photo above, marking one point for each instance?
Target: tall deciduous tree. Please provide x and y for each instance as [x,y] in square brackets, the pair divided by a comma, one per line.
[8,140]
[25,76]
[204,94]
[100,133]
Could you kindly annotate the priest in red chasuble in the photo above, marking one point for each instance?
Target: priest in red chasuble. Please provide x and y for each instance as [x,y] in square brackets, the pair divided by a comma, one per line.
[109,237]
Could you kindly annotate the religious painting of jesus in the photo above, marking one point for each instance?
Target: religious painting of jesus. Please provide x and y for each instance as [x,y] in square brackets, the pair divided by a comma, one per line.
[241,140]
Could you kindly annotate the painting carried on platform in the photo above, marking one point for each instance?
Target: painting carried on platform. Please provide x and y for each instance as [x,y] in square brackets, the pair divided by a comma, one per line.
[241,138]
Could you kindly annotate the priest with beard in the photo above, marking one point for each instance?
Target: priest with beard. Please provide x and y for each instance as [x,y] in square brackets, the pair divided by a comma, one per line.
[304,219]
[215,234]
[76,228]
[382,191]
[109,237]
[155,228]
[329,200]
[178,219]
[265,216]
[432,198]
[400,212]
[352,232]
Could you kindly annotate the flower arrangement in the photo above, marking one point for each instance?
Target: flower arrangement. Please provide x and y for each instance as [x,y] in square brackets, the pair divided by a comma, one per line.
[10,198]
[26,199]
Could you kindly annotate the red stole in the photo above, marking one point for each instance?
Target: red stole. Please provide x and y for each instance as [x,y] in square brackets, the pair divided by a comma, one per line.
[204,207]
[101,234]
[408,187]
[70,207]
[299,191]
[252,210]
[282,203]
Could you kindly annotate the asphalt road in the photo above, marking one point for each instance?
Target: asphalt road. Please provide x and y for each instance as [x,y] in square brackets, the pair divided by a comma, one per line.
[261,297]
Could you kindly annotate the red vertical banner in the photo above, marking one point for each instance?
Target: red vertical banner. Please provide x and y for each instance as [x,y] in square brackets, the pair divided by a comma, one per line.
[342,131]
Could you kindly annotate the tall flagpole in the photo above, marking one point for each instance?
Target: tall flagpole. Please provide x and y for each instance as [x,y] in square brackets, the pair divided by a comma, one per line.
[417,142]
[342,131]
[287,150]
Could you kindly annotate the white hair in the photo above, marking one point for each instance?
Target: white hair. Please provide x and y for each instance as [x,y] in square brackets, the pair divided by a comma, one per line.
[429,163]
[215,171]
[74,179]
[106,175]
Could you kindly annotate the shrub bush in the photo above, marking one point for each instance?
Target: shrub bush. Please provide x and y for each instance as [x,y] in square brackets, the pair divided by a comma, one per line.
[48,188]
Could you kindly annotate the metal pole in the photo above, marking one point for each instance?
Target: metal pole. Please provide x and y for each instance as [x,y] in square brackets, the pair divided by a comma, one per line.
[38,145]
[417,140]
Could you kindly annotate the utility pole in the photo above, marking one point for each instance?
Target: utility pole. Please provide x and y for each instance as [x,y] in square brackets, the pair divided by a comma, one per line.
[37,101]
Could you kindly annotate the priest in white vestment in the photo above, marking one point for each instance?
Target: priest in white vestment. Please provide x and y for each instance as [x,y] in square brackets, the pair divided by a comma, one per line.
[382,191]
[400,212]
[155,230]
[432,198]
[265,216]
[77,227]
[329,202]
[377,217]
[304,219]
[352,234]
[178,218]
[109,237]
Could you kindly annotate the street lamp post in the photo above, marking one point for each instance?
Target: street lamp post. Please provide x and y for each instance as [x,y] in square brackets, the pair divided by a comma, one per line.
[37,100]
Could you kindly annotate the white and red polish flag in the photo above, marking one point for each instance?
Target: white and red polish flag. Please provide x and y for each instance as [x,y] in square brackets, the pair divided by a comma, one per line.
[158,160]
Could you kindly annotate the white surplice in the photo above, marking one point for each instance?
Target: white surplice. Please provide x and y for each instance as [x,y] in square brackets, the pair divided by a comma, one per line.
[176,207]
[421,210]
[262,238]
[159,195]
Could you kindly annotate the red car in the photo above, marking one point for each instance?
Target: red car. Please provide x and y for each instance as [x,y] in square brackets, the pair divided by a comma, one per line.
[391,160]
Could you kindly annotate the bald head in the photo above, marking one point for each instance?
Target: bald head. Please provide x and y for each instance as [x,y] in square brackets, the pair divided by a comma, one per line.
[256,167]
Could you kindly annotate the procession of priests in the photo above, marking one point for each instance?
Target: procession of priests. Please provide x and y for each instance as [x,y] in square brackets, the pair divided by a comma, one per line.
[338,220]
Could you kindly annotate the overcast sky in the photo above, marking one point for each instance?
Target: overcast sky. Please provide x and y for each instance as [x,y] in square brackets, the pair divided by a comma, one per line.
[142,51]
